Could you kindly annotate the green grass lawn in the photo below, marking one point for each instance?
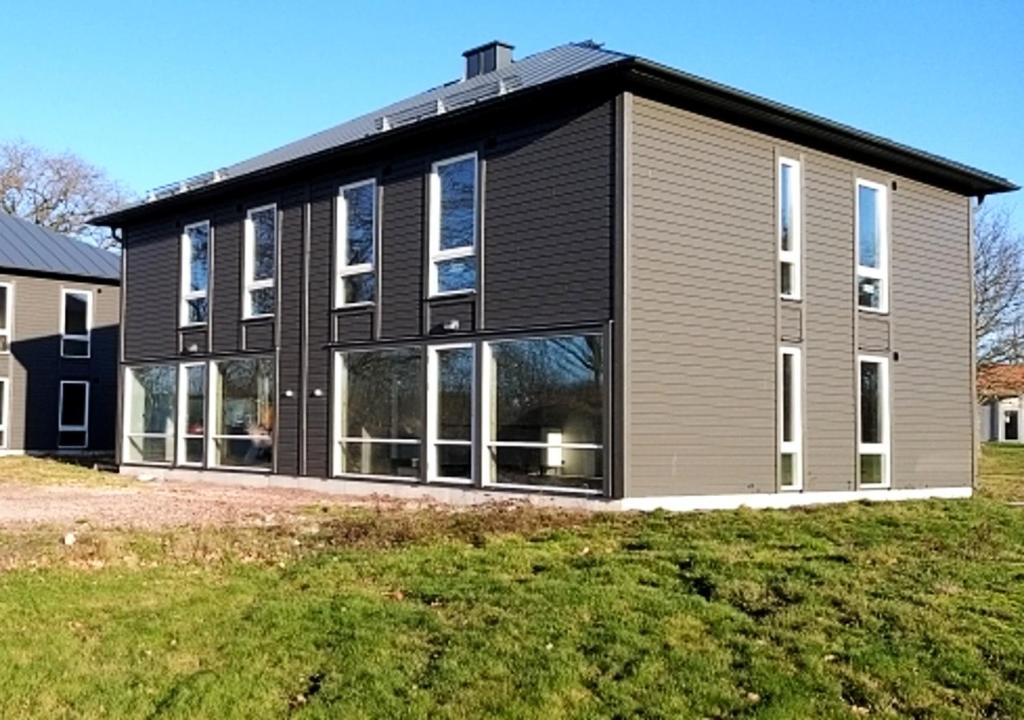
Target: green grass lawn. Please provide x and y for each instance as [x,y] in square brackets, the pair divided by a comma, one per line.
[886,610]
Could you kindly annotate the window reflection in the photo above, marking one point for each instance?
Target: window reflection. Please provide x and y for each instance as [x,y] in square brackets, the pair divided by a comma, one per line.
[245,413]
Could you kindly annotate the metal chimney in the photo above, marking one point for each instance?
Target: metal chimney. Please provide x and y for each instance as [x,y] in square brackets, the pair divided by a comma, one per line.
[487,58]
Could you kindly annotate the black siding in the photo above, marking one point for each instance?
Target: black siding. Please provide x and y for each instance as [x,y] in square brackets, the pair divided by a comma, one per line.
[151,284]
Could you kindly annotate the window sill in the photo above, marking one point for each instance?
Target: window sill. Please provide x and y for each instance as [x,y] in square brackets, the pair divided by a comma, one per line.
[795,299]
[452,294]
[75,357]
[873,311]
[257,318]
[193,326]
[368,305]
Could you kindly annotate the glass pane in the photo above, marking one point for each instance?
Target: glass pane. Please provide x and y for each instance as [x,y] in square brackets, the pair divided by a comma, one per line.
[785,207]
[75,348]
[359,288]
[786,278]
[195,395]
[787,468]
[3,404]
[151,399]
[148,449]
[3,308]
[1011,425]
[245,407]
[73,404]
[871,470]
[870,402]
[381,395]
[264,236]
[199,260]
[869,225]
[196,310]
[548,390]
[550,467]
[262,302]
[457,274]
[455,393]
[256,451]
[787,398]
[71,439]
[458,212]
[193,450]
[359,220]
[869,292]
[393,459]
[454,461]
[76,314]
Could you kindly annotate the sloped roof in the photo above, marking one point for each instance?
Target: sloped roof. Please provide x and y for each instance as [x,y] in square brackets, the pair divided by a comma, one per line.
[28,247]
[560,63]
[997,381]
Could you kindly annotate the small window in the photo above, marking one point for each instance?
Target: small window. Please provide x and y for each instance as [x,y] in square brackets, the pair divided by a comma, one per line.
[149,394]
[192,409]
[195,273]
[6,312]
[73,426]
[789,229]
[258,297]
[873,421]
[790,419]
[379,414]
[4,411]
[76,323]
[450,413]
[453,225]
[1011,426]
[872,244]
[357,239]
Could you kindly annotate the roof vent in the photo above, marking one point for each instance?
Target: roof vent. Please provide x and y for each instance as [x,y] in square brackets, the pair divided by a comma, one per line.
[491,56]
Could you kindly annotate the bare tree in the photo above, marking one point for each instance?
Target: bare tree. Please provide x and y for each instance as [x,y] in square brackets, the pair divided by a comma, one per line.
[59,191]
[999,288]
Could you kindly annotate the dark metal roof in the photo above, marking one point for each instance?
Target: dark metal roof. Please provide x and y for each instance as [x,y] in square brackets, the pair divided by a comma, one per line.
[27,247]
[567,61]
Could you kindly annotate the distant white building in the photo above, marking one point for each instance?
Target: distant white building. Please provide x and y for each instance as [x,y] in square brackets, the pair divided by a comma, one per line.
[1001,399]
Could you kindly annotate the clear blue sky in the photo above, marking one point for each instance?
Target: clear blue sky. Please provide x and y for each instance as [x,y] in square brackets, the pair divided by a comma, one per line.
[155,92]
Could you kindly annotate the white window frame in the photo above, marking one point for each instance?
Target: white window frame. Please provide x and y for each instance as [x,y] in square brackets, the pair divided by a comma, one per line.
[250,284]
[187,293]
[881,273]
[126,409]
[881,448]
[212,410]
[181,421]
[437,255]
[342,269]
[61,427]
[433,421]
[87,338]
[486,363]
[795,446]
[5,403]
[341,385]
[793,256]
[7,332]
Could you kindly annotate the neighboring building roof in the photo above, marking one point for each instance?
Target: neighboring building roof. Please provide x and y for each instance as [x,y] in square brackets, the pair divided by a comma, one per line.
[999,381]
[561,63]
[28,247]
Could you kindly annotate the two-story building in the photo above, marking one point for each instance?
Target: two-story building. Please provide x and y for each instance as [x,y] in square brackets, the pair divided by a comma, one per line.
[59,308]
[580,274]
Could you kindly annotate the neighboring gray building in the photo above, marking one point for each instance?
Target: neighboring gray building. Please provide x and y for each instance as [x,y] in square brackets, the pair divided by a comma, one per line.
[580,274]
[59,308]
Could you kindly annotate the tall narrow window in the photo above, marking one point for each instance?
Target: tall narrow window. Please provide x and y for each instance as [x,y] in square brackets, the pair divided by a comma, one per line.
[379,414]
[544,412]
[6,312]
[149,394]
[244,413]
[790,419]
[260,261]
[73,423]
[872,243]
[76,323]
[789,229]
[357,238]
[4,411]
[195,273]
[453,225]
[192,409]
[450,413]
[873,421]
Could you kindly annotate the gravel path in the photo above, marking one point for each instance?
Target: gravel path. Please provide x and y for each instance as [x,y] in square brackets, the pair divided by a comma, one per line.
[155,505]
